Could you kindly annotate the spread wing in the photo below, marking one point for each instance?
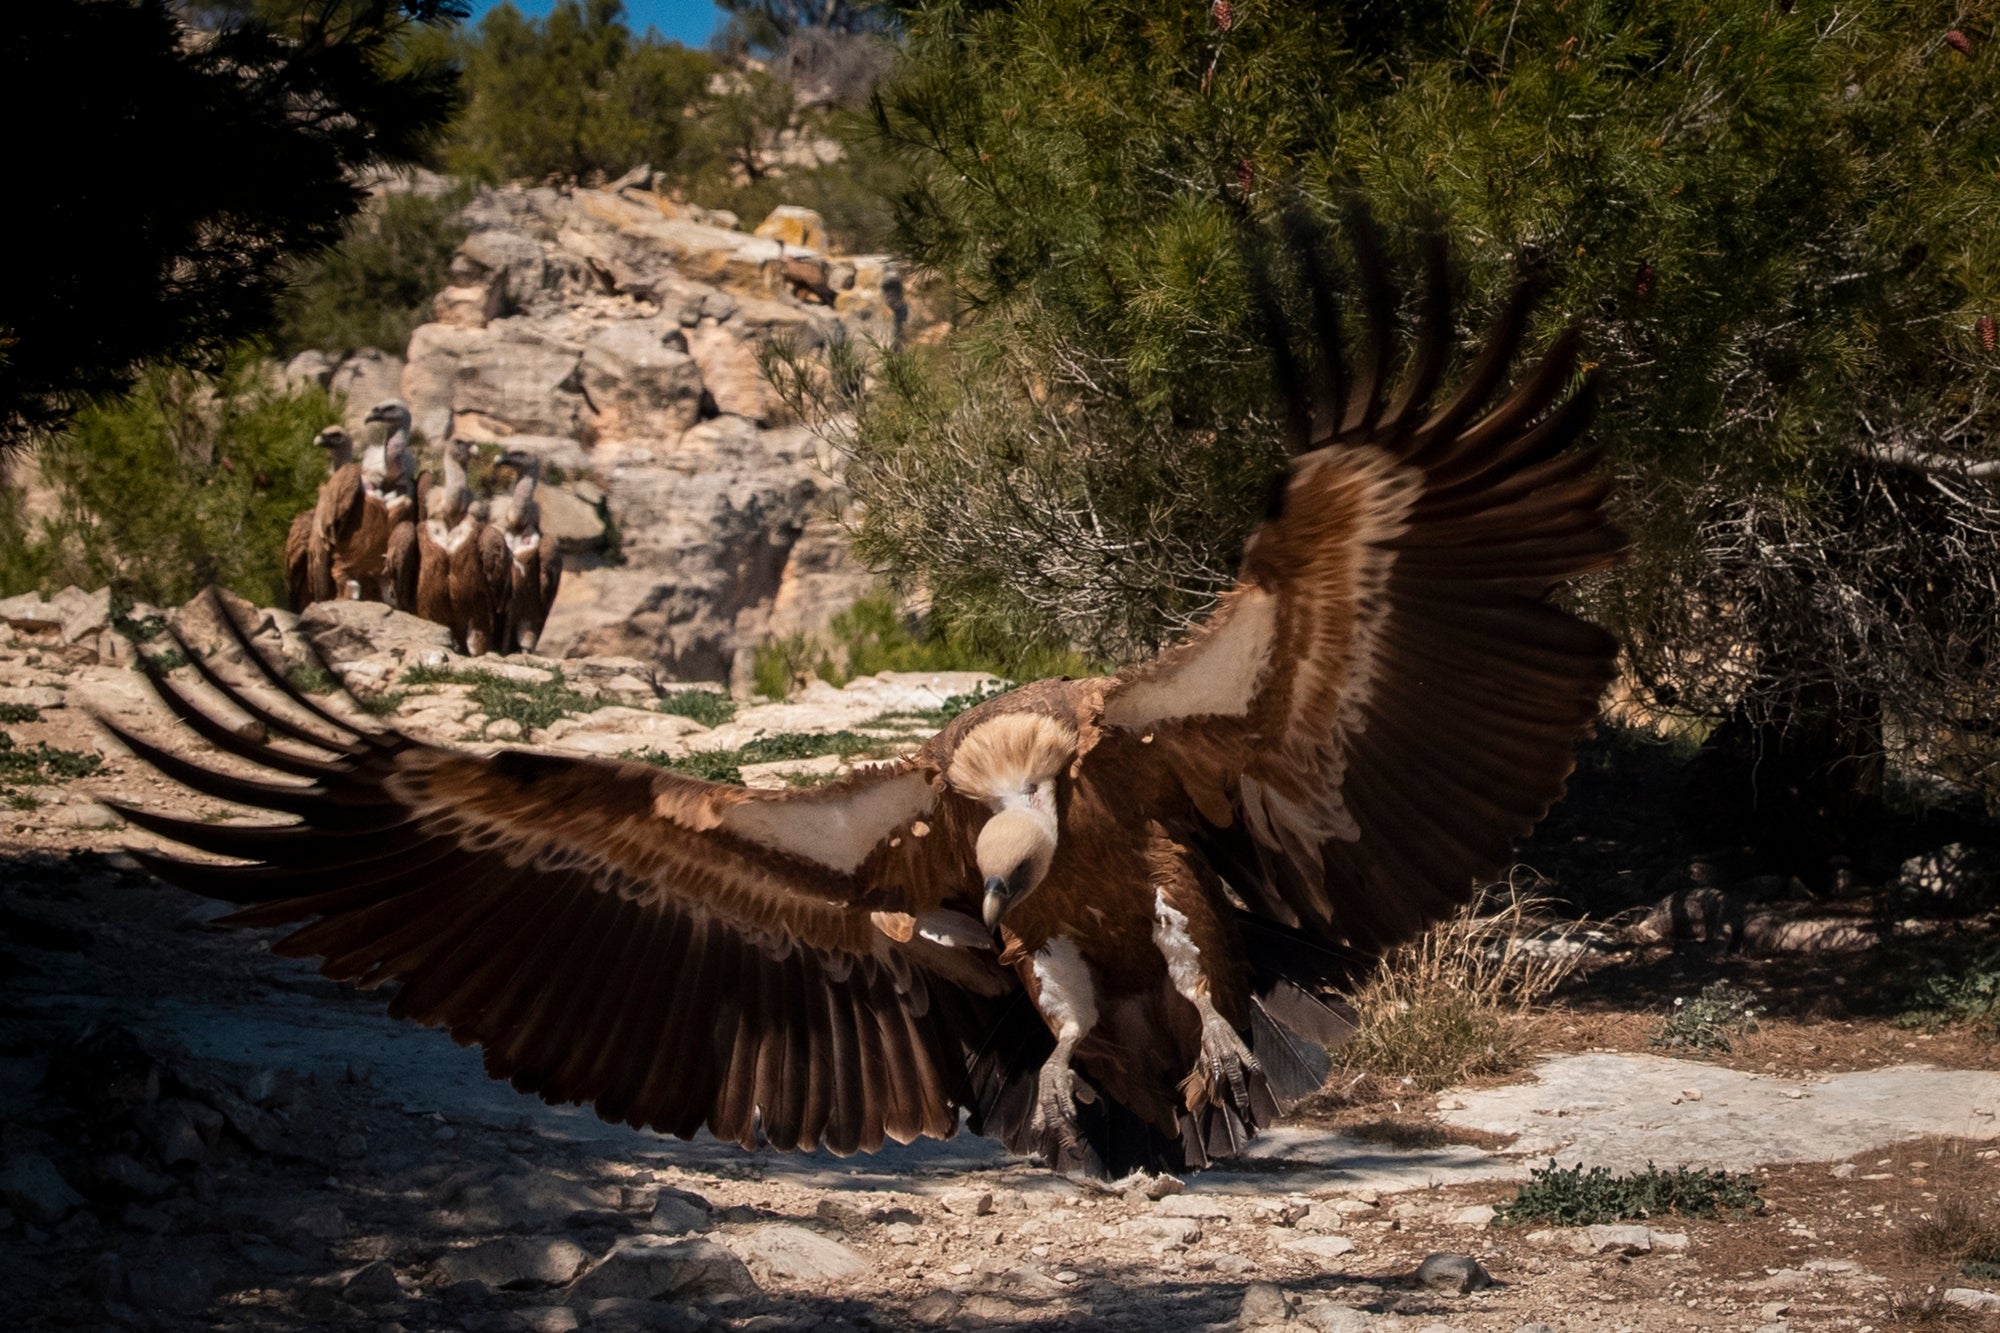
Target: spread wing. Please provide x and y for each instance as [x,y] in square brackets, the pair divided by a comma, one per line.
[675,952]
[1387,699]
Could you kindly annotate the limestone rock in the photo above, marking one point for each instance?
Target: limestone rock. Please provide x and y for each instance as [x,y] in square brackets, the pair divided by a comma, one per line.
[677,1212]
[1321,1249]
[514,1261]
[650,1268]
[345,632]
[1459,1273]
[1969,1298]
[795,226]
[613,731]
[362,380]
[1616,1240]
[789,1253]
[641,381]
[1264,1304]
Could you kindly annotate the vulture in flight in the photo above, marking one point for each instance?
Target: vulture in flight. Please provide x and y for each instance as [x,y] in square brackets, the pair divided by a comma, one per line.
[1098,919]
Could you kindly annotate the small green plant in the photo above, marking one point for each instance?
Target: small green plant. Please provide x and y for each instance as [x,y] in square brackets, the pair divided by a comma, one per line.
[383,704]
[1574,1197]
[948,708]
[166,660]
[38,766]
[711,708]
[532,704]
[312,678]
[727,765]
[20,713]
[1964,992]
[376,286]
[1707,1022]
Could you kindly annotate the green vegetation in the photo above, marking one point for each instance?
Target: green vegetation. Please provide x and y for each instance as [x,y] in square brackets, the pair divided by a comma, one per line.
[312,677]
[930,719]
[532,704]
[872,635]
[20,713]
[237,157]
[727,765]
[376,286]
[1710,1020]
[579,96]
[1577,1198]
[711,708]
[190,480]
[37,766]
[1778,230]
[1947,990]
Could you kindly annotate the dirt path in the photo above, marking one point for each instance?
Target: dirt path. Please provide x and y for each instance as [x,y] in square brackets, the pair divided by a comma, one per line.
[198,1134]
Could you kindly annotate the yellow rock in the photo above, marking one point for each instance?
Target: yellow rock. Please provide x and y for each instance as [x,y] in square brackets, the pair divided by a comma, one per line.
[795,226]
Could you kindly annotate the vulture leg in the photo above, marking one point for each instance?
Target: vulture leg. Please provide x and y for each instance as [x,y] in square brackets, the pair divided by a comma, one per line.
[1066,993]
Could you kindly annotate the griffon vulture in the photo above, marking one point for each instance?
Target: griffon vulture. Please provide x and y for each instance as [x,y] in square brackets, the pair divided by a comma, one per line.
[1097,916]
[315,532]
[395,487]
[535,571]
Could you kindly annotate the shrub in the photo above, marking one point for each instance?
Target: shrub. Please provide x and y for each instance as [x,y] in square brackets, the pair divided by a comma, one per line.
[37,766]
[873,636]
[1962,990]
[532,704]
[375,287]
[727,765]
[1447,1005]
[189,480]
[1707,1022]
[711,708]
[1574,1197]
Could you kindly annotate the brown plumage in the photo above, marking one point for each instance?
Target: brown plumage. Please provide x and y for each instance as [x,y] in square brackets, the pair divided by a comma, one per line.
[1353,739]
[535,566]
[316,534]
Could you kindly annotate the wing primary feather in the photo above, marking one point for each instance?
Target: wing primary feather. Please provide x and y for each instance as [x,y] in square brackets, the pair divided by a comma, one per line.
[1378,297]
[223,786]
[283,726]
[1503,339]
[1308,243]
[276,678]
[227,741]
[1426,368]
[1289,379]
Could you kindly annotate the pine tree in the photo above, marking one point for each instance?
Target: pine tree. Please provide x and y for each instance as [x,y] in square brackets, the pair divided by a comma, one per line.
[1780,224]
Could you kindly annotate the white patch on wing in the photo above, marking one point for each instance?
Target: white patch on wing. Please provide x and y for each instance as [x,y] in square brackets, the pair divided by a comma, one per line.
[954,930]
[838,831]
[1170,936]
[1068,995]
[1215,675]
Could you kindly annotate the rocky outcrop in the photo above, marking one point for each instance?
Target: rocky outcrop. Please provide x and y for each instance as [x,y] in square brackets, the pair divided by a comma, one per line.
[618,335]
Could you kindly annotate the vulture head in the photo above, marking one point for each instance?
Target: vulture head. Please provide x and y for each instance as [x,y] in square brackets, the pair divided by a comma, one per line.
[1012,763]
[394,412]
[338,444]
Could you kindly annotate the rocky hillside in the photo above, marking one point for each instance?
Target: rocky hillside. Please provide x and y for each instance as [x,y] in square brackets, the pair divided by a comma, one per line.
[616,335]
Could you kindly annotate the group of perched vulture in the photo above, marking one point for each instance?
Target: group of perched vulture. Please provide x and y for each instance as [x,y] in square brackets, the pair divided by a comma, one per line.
[379,532]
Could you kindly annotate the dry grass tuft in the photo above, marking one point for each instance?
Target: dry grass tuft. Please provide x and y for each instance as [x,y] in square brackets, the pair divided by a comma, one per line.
[1453,1003]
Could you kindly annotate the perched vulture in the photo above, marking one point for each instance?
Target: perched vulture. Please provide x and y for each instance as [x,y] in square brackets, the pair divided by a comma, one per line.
[396,488]
[1097,917]
[535,571]
[334,517]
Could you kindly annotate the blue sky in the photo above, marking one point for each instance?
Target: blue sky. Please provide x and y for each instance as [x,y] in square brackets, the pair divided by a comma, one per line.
[689,22]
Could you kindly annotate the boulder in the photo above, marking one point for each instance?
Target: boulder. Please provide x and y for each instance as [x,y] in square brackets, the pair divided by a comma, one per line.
[1458,1273]
[641,380]
[793,1254]
[730,372]
[364,379]
[345,632]
[310,369]
[800,228]
[650,1268]
[514,1262]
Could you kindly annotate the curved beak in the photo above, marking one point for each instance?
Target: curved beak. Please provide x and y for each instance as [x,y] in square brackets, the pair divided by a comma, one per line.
[996,900]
